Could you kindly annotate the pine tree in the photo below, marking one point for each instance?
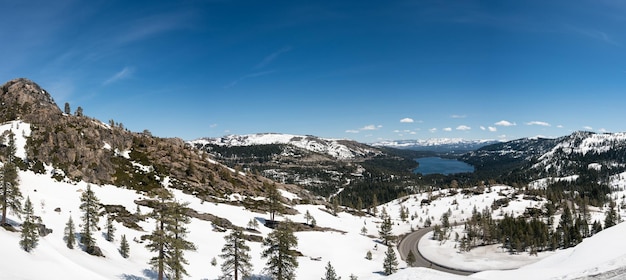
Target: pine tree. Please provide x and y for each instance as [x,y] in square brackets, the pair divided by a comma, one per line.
[308,217]
[410,258]
[236,255]
[67,108]
[404,213]
[124,248]
[158,240]
[10,195]
[274,203]
[281,260]
[178,233]
[385,228]
[610,216]
[253,224]
[330,273]
[168,238]
[368,255]
[110,234]
[30,230]
[353,277]
[390,264]
[70,239]
[90,205]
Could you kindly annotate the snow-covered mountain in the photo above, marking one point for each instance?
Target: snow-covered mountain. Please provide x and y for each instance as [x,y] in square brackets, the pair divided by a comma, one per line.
[340,149]
[586,150]
[456,145]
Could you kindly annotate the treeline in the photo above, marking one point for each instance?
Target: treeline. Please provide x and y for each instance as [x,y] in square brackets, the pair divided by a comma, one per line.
[532,232]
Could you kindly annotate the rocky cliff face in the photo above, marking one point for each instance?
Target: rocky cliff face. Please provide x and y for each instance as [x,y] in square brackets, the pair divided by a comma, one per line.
[87,149]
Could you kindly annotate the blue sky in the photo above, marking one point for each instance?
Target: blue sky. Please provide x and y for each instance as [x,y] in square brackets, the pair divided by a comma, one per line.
[363,70]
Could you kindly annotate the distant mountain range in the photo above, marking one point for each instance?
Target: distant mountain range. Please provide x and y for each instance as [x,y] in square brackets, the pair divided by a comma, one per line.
[439,145]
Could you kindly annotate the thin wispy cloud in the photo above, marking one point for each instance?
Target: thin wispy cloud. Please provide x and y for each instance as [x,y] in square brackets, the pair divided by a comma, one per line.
[125,73]
[505,123]
[352,131]
[463,128]
[588,127]
[253,75]
[407,120]
[433,130]
[458,116]
[447,129]
[147,27]
[273,56]
[539,123]
[492,128]
[595,34]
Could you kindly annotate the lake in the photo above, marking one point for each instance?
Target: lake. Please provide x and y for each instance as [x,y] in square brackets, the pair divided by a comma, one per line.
[437,165]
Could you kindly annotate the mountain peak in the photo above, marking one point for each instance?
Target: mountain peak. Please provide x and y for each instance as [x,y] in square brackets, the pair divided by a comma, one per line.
[21,98]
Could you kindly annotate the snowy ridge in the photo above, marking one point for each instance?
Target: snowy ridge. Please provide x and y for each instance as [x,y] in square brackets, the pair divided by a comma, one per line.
[582,144]
[331,147]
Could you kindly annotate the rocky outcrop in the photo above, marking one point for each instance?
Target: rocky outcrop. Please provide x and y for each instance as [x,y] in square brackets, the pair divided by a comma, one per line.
[88,149]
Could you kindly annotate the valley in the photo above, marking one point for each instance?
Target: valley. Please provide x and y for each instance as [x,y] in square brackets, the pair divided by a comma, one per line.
[527,203]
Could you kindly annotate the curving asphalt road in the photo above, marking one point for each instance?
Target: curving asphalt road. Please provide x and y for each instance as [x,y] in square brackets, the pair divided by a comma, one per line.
[409,243]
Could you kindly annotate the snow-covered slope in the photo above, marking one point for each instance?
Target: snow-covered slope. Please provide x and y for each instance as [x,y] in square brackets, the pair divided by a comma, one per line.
[344,248]
[333,147]
[607,148]
[602,256]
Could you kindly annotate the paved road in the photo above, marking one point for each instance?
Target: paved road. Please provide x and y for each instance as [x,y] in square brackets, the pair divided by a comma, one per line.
[409,243]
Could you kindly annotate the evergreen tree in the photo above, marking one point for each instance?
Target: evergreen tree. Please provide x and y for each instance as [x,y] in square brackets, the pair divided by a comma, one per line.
[178,243]
[90,205]
[564,227]
[404,213]
[410,258]
[374,203]
[353,277]
[10,195]
[368,255]
[281,259]
[30,230]
[168,238]
[390,264]
[158,240]
[308,217]
[110,234]
[69,237]
[596,227]
[67,108]
[124,248]
[330,273]
[274,203]
[385,228]
[236,255]
[253,224]
[610,218]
